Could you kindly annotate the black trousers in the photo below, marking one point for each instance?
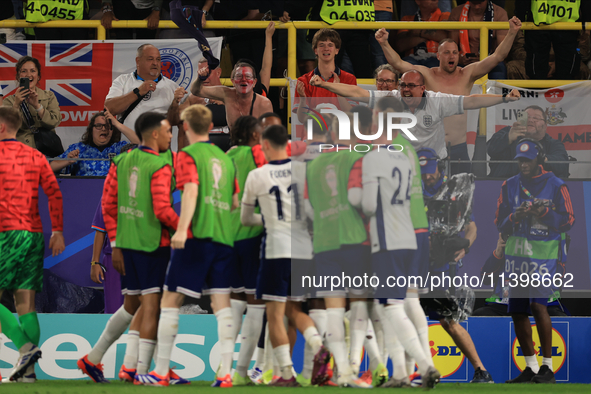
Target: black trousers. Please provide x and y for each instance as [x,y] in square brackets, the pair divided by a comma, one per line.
[537,46]
[125,10]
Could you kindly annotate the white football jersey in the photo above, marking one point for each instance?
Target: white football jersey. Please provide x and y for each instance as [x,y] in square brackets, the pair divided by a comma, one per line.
[271,185]
[387,182]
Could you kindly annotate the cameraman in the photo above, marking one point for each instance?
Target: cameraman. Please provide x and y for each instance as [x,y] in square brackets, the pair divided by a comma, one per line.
[534,207]
[433,174]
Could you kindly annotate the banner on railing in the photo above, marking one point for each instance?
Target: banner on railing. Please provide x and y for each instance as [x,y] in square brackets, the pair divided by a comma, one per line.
[298,130]
[80,73]
[567,113]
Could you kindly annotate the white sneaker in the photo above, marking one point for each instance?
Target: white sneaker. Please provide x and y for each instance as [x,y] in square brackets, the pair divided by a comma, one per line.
[26,359]
[255,375]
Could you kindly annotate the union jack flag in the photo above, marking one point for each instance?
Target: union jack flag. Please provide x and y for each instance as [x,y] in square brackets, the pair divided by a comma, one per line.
[79,74]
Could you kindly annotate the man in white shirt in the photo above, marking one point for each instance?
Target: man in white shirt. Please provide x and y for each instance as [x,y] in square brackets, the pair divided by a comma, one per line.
[430,108]
[146,83]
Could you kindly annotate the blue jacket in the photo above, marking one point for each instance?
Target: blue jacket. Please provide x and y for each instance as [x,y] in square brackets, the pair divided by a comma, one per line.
[558,218]
[498,148]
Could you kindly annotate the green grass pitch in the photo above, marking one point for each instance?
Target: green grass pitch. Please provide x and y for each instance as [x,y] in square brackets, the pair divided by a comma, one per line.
[87,387]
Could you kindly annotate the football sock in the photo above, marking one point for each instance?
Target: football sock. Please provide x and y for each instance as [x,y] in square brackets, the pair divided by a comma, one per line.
[547,361]
[12,329]
[318,316]
[30,326]
[335,338]
[238,308]
[168,327]
[284,361]
[358,326]
[226,331]
[260,359]
[371,347]
[406,333]
[410,363]
[115,327]
[308,361]
[251,328]
[395,348]
[132,349]
[379,331]
[312,337]
[414,311]
[146,350]
[532,362]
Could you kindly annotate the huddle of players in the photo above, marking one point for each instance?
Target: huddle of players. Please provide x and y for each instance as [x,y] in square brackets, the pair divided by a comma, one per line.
[368,218]
[382,187]
[137,208]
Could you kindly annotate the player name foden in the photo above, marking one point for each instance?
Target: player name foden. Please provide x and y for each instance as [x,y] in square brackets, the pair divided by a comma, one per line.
[286,173]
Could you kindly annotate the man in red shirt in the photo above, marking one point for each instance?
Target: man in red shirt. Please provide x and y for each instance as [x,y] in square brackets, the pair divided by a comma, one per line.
[326,44]
[22,171]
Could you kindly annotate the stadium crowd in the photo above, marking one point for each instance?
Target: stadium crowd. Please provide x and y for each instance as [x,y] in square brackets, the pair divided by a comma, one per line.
[257,208]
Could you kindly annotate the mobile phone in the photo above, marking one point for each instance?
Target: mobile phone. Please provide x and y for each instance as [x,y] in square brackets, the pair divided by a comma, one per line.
[108,120]
[24,83]
[471,55]
[522,118]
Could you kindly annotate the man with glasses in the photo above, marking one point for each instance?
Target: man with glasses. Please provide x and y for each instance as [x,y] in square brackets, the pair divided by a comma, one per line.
[430,108]
[502,145]
[239,100]
[449,78]
[386,77]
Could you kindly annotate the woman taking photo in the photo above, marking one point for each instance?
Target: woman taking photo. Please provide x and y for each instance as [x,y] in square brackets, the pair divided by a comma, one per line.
[39,109]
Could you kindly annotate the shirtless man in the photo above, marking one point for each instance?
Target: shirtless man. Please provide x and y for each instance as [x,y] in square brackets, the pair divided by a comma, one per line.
[216,107]
[239,100]
[449,78]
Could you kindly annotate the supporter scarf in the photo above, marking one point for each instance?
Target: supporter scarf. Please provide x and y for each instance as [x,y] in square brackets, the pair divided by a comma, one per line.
[489,16]
[188,19]
[431,46]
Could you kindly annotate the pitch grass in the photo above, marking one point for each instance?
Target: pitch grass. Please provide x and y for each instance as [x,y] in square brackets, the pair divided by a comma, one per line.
[87,387]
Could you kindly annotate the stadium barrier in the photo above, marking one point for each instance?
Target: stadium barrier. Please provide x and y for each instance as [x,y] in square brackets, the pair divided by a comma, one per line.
[66,338]
[293,26]
[82,196]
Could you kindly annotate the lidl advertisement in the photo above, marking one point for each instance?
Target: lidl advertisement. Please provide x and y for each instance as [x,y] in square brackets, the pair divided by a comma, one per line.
[66,338]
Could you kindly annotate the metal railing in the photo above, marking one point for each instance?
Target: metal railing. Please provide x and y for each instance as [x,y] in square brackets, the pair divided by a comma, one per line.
[293,26]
